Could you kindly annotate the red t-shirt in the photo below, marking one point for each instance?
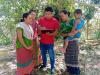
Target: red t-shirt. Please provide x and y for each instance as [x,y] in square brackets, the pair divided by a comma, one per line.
[52,24]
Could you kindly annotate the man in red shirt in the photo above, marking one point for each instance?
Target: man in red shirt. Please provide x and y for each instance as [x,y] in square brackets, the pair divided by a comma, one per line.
[48,26]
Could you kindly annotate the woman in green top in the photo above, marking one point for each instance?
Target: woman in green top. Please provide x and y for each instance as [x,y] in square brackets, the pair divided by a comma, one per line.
[70,26]
[24,45]
[71,46]
[65,27]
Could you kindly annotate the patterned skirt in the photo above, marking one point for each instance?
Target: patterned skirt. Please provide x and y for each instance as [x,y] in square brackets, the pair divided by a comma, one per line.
[71,55]
[25,61]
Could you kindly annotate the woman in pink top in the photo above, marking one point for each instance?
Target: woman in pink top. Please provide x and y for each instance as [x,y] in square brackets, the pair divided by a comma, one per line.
[36,53]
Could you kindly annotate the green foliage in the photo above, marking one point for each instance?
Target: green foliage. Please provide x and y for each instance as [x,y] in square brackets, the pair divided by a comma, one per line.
[12,10]
[89,12]
[95,1]
[61,4]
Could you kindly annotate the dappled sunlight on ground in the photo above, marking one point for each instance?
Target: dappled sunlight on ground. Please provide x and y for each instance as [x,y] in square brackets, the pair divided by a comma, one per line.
[89,61]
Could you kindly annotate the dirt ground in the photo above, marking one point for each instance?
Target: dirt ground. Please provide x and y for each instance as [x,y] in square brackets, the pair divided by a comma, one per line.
[89,60]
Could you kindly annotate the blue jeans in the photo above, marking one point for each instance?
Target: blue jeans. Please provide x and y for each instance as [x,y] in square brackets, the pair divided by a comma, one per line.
[50,49]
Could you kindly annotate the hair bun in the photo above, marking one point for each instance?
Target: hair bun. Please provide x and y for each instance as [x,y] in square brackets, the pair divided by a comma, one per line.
[21,20]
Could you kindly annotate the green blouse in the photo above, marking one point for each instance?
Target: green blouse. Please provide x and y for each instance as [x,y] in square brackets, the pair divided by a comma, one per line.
[27,41]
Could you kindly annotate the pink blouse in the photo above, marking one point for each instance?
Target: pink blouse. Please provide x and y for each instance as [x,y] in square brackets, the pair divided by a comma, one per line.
[35,26]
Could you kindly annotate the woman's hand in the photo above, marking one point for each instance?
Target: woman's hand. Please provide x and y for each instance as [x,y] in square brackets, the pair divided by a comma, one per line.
[71,34]
[30,48]
[64,35]
[80,30]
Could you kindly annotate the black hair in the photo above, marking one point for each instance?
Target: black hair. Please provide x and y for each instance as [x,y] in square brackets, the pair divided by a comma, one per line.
[31,10]
[50,9]
[65,12]
[78,11]
[25,15]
